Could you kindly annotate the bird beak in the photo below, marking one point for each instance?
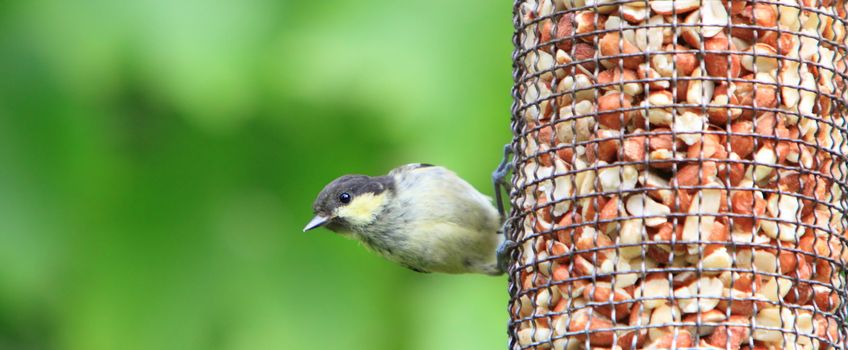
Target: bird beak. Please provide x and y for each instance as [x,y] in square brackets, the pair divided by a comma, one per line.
[317,221]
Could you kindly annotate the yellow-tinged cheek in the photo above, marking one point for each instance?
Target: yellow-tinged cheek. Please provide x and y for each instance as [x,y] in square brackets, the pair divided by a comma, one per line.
[362,209]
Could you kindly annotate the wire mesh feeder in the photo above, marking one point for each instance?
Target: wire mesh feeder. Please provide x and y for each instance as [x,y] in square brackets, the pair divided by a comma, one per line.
[679,174]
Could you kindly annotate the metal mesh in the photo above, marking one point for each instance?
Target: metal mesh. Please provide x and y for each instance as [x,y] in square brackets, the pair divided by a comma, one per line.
[679,174]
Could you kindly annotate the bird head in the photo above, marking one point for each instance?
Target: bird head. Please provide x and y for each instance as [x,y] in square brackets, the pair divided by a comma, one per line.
[349,202]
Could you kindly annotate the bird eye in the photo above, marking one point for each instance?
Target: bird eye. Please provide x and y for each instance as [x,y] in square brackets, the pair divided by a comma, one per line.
[344,197]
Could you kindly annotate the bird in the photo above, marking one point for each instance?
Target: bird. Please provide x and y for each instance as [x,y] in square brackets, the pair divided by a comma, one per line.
[421,216]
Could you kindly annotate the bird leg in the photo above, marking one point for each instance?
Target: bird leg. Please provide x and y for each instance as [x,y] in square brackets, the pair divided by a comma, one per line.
[499,176]
[499,180]
[504,252]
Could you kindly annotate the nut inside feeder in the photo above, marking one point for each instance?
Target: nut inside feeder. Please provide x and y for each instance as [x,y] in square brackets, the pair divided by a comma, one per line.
[679,174]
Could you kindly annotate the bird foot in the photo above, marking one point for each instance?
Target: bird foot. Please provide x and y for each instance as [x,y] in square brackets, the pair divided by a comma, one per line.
[499,180]
[504,253]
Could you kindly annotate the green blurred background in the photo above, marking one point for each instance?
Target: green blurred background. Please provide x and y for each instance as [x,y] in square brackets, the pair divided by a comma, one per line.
[158,160]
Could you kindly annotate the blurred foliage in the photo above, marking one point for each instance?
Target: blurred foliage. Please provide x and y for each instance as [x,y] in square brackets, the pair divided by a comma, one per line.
[159,159]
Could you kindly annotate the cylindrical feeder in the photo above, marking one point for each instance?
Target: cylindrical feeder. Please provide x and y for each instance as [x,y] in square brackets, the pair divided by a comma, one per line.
[679,174]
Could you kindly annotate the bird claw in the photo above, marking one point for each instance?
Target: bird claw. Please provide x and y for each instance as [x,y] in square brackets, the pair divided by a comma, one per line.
[504,253]
[499,180]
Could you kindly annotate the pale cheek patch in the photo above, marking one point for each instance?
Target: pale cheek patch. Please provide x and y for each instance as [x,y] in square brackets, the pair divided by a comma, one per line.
[362,210]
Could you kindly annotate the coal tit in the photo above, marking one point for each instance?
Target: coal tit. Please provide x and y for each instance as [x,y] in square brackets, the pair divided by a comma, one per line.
[421,216]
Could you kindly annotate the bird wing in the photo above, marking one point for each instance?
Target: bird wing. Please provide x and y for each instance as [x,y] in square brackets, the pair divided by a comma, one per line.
[435,187]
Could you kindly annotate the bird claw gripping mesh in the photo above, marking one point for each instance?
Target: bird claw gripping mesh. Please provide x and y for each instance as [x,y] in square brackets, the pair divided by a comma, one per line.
[679,173]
